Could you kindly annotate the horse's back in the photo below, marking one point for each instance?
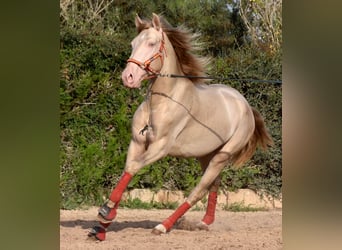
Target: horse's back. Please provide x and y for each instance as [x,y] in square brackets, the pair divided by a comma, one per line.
[222,92]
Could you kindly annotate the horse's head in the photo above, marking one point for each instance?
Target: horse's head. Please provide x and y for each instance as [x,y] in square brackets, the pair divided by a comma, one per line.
[147,55]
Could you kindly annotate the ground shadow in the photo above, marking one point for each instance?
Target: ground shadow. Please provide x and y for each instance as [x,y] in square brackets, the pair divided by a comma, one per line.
[114,227]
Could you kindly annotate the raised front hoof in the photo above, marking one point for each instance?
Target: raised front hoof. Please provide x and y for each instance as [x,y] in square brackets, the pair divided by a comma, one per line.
[159,229]
[97,233]
[202,226]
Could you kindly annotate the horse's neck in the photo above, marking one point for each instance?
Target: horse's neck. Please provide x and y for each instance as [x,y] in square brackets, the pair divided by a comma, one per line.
[166,89]
[169,95]
[168,85]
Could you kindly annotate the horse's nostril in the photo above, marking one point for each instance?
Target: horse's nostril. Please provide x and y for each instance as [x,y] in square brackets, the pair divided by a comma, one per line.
[130,77]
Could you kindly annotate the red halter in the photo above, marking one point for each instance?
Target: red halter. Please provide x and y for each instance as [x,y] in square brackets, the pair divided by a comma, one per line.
[147,64]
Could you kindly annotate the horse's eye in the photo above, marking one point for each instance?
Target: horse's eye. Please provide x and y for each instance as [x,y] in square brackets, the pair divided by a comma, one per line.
[151,44]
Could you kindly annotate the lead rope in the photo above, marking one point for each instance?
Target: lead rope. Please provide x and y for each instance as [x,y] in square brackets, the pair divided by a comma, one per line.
[148,100]
[278,82]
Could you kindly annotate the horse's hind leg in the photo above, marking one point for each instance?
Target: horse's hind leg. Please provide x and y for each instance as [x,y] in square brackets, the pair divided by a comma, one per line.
[216,164]
[209,216]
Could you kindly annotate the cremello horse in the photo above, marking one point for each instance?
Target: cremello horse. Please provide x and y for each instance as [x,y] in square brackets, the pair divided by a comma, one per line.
[182,117]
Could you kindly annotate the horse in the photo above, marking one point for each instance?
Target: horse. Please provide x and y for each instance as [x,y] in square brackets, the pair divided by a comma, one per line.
[182,117]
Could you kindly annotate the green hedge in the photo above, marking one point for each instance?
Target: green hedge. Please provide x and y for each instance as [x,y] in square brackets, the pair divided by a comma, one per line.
[96,110]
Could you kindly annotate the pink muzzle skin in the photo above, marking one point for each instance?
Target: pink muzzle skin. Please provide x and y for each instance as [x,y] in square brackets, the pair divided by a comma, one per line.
[132,76]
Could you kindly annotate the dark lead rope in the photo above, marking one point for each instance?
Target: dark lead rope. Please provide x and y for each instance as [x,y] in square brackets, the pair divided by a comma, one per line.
[220,78]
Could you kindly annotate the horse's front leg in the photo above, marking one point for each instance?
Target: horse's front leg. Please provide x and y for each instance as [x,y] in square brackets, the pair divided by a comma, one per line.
[138,156]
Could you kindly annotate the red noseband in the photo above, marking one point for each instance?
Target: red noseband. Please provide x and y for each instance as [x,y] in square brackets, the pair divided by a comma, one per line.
[147,64]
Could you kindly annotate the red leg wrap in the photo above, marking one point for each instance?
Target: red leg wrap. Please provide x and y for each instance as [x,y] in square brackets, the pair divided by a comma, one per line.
[108,210]
[120,187]
[210,214]
[101,235]
[104,225]
[99,231]
[169,222]
[108,213]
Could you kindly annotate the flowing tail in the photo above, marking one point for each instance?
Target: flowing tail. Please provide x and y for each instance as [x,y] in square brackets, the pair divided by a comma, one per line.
[260,138]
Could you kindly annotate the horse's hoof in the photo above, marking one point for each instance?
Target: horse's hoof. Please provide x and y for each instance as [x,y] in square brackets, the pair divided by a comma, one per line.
[185,224]
[159,229]
[97,233]
[156,232]
[202,226]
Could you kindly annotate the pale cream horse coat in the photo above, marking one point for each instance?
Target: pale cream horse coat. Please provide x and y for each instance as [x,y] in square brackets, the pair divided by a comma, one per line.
[183,117]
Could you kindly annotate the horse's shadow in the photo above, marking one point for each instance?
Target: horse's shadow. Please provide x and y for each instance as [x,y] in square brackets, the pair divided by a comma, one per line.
[114,227]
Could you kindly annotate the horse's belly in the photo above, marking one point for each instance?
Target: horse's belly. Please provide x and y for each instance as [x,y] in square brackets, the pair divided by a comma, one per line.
[199,138]
[194,148]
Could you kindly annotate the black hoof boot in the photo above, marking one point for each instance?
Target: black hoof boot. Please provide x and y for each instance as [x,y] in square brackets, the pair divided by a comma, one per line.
[98,232]
[107,212]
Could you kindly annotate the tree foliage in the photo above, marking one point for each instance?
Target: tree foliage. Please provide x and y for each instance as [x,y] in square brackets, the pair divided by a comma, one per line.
[263,20]
[96,110]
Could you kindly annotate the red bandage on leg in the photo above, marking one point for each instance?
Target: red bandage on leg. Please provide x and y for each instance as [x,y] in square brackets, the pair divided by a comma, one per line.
[107,212]
[101,235]
[99,232]
[169,222]
[120,187]
[210,214]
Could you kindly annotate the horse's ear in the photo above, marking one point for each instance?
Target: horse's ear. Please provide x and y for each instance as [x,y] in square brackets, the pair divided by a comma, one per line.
[138,21]
[156,21]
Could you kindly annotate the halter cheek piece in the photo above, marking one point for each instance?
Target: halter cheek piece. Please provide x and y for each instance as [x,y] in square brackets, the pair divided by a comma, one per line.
[147,64]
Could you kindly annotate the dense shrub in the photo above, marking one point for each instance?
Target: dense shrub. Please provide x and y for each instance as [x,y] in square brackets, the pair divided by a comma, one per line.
[96,110]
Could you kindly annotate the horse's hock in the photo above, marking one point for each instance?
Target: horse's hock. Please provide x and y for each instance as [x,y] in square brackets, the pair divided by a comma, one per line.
[242,197]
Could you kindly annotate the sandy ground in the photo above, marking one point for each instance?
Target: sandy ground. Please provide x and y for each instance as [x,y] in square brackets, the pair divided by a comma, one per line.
[132,230]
